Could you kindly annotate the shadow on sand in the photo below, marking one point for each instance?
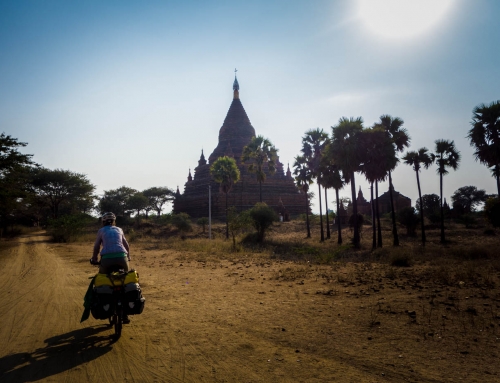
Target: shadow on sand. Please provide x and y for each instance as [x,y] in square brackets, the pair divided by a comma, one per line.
[62,352]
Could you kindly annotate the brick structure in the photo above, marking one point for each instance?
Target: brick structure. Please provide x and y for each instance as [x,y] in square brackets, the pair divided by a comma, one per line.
[278,190]
[400,201]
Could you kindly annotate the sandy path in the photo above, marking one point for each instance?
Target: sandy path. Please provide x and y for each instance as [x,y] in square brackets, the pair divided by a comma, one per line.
[40,333]
[247,320]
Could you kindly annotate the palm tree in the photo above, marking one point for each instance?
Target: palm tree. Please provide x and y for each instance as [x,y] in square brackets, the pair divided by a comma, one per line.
[400,140]
[332,178]
[379,158]
[417,160]
[347,154]
[313,143]
[303,178]
[446,156]
[225,172]
[485,137]
[260,152]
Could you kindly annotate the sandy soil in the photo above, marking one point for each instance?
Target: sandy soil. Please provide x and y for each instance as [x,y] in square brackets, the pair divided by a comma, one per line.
[243,320]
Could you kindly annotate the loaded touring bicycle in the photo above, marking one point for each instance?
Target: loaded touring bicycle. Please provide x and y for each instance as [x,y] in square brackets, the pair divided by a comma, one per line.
[115,296]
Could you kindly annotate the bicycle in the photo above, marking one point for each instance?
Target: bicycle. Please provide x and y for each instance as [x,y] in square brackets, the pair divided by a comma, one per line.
[112,303]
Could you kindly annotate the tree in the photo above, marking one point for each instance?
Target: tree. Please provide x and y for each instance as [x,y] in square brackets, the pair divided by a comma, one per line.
[138,202]
[158,197]
[116,201]
[400,140]
[417,160]
[492,211]
[347,155]
[379,158]
[237,223]
[303,178]
[14,171]
[446,156]
[53,187]
[225,172]
[313,144]
[10,157]
[261,153]
[262,217]
[408,217]
[467,198]
[485,137]
[332,178]
[430,206]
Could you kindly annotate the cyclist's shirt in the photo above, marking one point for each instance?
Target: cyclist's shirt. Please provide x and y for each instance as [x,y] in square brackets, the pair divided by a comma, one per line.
[113,241]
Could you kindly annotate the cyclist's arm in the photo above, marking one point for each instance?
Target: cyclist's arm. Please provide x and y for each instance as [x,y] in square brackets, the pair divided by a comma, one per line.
[97,247]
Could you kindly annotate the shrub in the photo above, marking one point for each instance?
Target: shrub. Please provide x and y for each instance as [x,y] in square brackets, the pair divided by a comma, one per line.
[68,227]
[401,260]
[182,222]
[492,211]
[408,217]
[237,222]
[262,217]
[361,220]
[203,222]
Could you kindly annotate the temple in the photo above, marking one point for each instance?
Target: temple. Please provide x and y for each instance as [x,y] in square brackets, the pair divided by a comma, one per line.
[278,190]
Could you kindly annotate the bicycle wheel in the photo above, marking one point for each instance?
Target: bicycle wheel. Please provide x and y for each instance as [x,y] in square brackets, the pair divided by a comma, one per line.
[118,320]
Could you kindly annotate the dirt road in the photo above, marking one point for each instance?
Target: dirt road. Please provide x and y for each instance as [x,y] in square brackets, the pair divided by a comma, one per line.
[212,321]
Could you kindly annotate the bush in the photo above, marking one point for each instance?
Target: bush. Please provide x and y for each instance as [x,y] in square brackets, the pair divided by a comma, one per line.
[182,222]
[262,217]
[68,227]
[203,222]
[401,260]
[237,222]
[408,217]
[492,211]
[361,220]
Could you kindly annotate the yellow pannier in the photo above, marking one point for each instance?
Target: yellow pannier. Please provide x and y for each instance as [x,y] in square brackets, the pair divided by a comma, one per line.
[103,280]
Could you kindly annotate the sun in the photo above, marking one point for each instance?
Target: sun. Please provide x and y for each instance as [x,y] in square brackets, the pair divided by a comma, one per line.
[402,19]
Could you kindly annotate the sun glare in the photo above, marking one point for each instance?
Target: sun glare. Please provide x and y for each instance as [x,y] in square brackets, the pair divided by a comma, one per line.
[402,19]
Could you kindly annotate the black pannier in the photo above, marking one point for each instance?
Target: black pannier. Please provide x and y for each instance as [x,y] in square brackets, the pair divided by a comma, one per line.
[134,301]
[102,302]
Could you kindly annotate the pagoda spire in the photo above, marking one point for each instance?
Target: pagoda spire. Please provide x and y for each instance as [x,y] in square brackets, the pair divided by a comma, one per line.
[236,86]
[202,160]
[190,178]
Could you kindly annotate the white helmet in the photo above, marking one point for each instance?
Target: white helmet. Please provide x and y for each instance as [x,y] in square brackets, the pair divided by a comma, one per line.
[108,217]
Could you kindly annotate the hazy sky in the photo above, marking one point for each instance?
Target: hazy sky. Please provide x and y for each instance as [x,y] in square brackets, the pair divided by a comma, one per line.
[129,92]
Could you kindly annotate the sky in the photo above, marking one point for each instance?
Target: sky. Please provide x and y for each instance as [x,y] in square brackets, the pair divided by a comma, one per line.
[130,92]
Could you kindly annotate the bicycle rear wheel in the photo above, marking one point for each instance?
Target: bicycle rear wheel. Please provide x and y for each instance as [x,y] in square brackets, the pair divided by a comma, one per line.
[118,321]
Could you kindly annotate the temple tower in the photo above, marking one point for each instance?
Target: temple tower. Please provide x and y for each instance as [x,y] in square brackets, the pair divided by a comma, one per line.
[278,191]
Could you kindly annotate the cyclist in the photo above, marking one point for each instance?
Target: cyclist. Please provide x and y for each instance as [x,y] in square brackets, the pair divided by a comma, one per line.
[115,249]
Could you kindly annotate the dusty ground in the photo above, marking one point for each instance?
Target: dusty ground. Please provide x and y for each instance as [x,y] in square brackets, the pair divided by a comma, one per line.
[248,318]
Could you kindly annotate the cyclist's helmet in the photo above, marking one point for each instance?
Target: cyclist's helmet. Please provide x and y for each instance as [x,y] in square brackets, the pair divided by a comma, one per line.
[108,218]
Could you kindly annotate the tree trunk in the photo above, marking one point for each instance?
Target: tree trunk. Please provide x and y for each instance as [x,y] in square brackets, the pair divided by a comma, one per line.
[498,182]
[320,214]
[421,210]
[327,219]
[307,217]
[393,214]
[227,223]
[377,212]
[356,238]
[339,228]
[260,190]
[442,208]
[374,226]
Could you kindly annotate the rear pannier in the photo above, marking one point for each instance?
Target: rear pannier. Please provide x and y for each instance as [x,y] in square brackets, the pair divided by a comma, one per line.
[134,299]
[102,302]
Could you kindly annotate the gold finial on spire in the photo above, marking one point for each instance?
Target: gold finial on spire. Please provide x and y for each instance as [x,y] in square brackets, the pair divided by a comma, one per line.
[236,86]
